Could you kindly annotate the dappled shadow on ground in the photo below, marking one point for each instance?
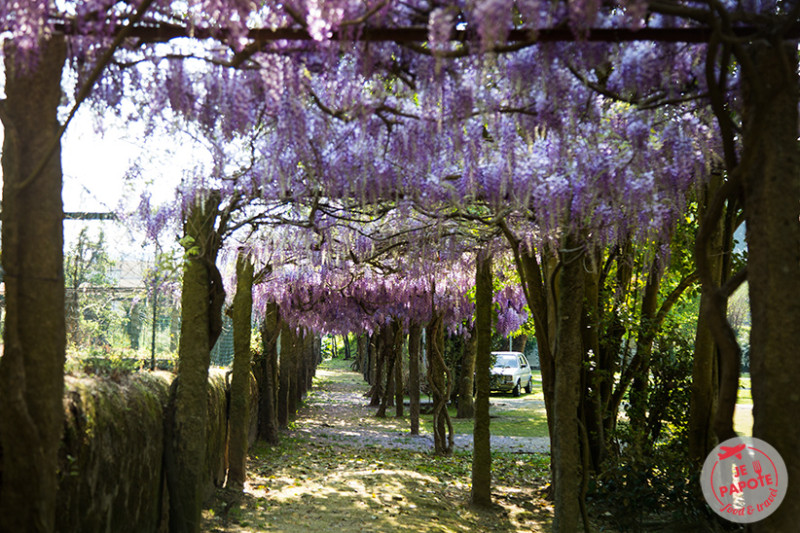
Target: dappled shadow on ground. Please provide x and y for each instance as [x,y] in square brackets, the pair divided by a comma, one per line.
[301,486]
[341,469]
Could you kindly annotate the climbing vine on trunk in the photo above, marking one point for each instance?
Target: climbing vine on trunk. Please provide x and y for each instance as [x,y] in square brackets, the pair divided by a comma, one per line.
[440,380]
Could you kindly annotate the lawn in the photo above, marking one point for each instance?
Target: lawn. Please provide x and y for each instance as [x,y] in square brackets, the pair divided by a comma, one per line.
[523,416]
[743,416]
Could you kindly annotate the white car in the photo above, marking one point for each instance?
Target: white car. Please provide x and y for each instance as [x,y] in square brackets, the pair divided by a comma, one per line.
[511,372]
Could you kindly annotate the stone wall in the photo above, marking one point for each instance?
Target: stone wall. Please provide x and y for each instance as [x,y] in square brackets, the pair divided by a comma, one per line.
[111,458]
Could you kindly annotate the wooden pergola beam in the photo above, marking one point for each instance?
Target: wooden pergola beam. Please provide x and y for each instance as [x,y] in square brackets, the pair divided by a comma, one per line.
[166,32]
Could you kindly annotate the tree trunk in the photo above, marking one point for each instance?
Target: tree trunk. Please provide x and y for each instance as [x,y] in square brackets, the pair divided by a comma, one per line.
[414,341]
[378,357]
[705,379]
[566,455]
[611,346]
[32,368]
[300,371]
[361,363]
[398,371]
[771,161]
[440,382]
[482,450]
[640,364]
[389,356]
[239,424]
[346,341]
[267,376]
[187,409]
[312,361]
[466,407]
[369,367]
[287,401]
[592,406]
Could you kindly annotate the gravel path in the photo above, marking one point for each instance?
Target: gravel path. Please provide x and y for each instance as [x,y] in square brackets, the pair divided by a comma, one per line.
[336,413]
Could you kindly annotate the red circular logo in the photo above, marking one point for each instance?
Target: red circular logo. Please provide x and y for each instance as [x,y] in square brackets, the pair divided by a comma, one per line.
[744,479]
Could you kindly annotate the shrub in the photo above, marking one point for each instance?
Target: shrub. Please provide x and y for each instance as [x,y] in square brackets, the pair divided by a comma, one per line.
[652,480]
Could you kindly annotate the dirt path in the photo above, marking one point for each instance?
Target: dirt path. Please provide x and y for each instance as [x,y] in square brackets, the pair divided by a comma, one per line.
[336,411]
[340,468]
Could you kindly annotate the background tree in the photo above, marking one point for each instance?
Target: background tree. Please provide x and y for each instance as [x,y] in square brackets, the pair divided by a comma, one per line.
[87,262]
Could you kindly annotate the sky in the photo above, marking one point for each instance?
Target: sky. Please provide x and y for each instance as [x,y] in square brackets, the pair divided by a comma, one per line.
[95,164]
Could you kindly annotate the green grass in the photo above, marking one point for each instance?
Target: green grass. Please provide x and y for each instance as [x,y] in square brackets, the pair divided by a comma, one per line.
[337,364]
[745,394]
[510,417]
[743,416]
[516,417]
[505,421]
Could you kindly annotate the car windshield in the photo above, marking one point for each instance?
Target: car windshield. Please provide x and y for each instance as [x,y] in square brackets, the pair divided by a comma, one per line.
[506,360]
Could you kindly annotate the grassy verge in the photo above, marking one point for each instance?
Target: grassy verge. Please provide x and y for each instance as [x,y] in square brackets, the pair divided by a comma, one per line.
[505,421]
[745,393]
[519,417]
[522,417]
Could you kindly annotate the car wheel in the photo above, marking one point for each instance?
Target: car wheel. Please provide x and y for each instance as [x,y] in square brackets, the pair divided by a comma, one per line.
[515,390]
[529,386]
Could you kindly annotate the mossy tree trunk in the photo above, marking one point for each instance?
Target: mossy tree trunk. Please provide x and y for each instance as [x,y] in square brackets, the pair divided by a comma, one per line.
[239,424]
[300,371]
[641,359]
[378,359]
[360,364]
[348,353]
[267,375]
[32,368]
[705,366]
[566,456]
[285,375]
[201,307]
[440,381]
[771,186]
[414,344]
[299,381]
[466,385]
[398,371]
[317,356]
[373,345]
[612,342]
[482,454]
[593,374]
[309,362]
[390,358]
